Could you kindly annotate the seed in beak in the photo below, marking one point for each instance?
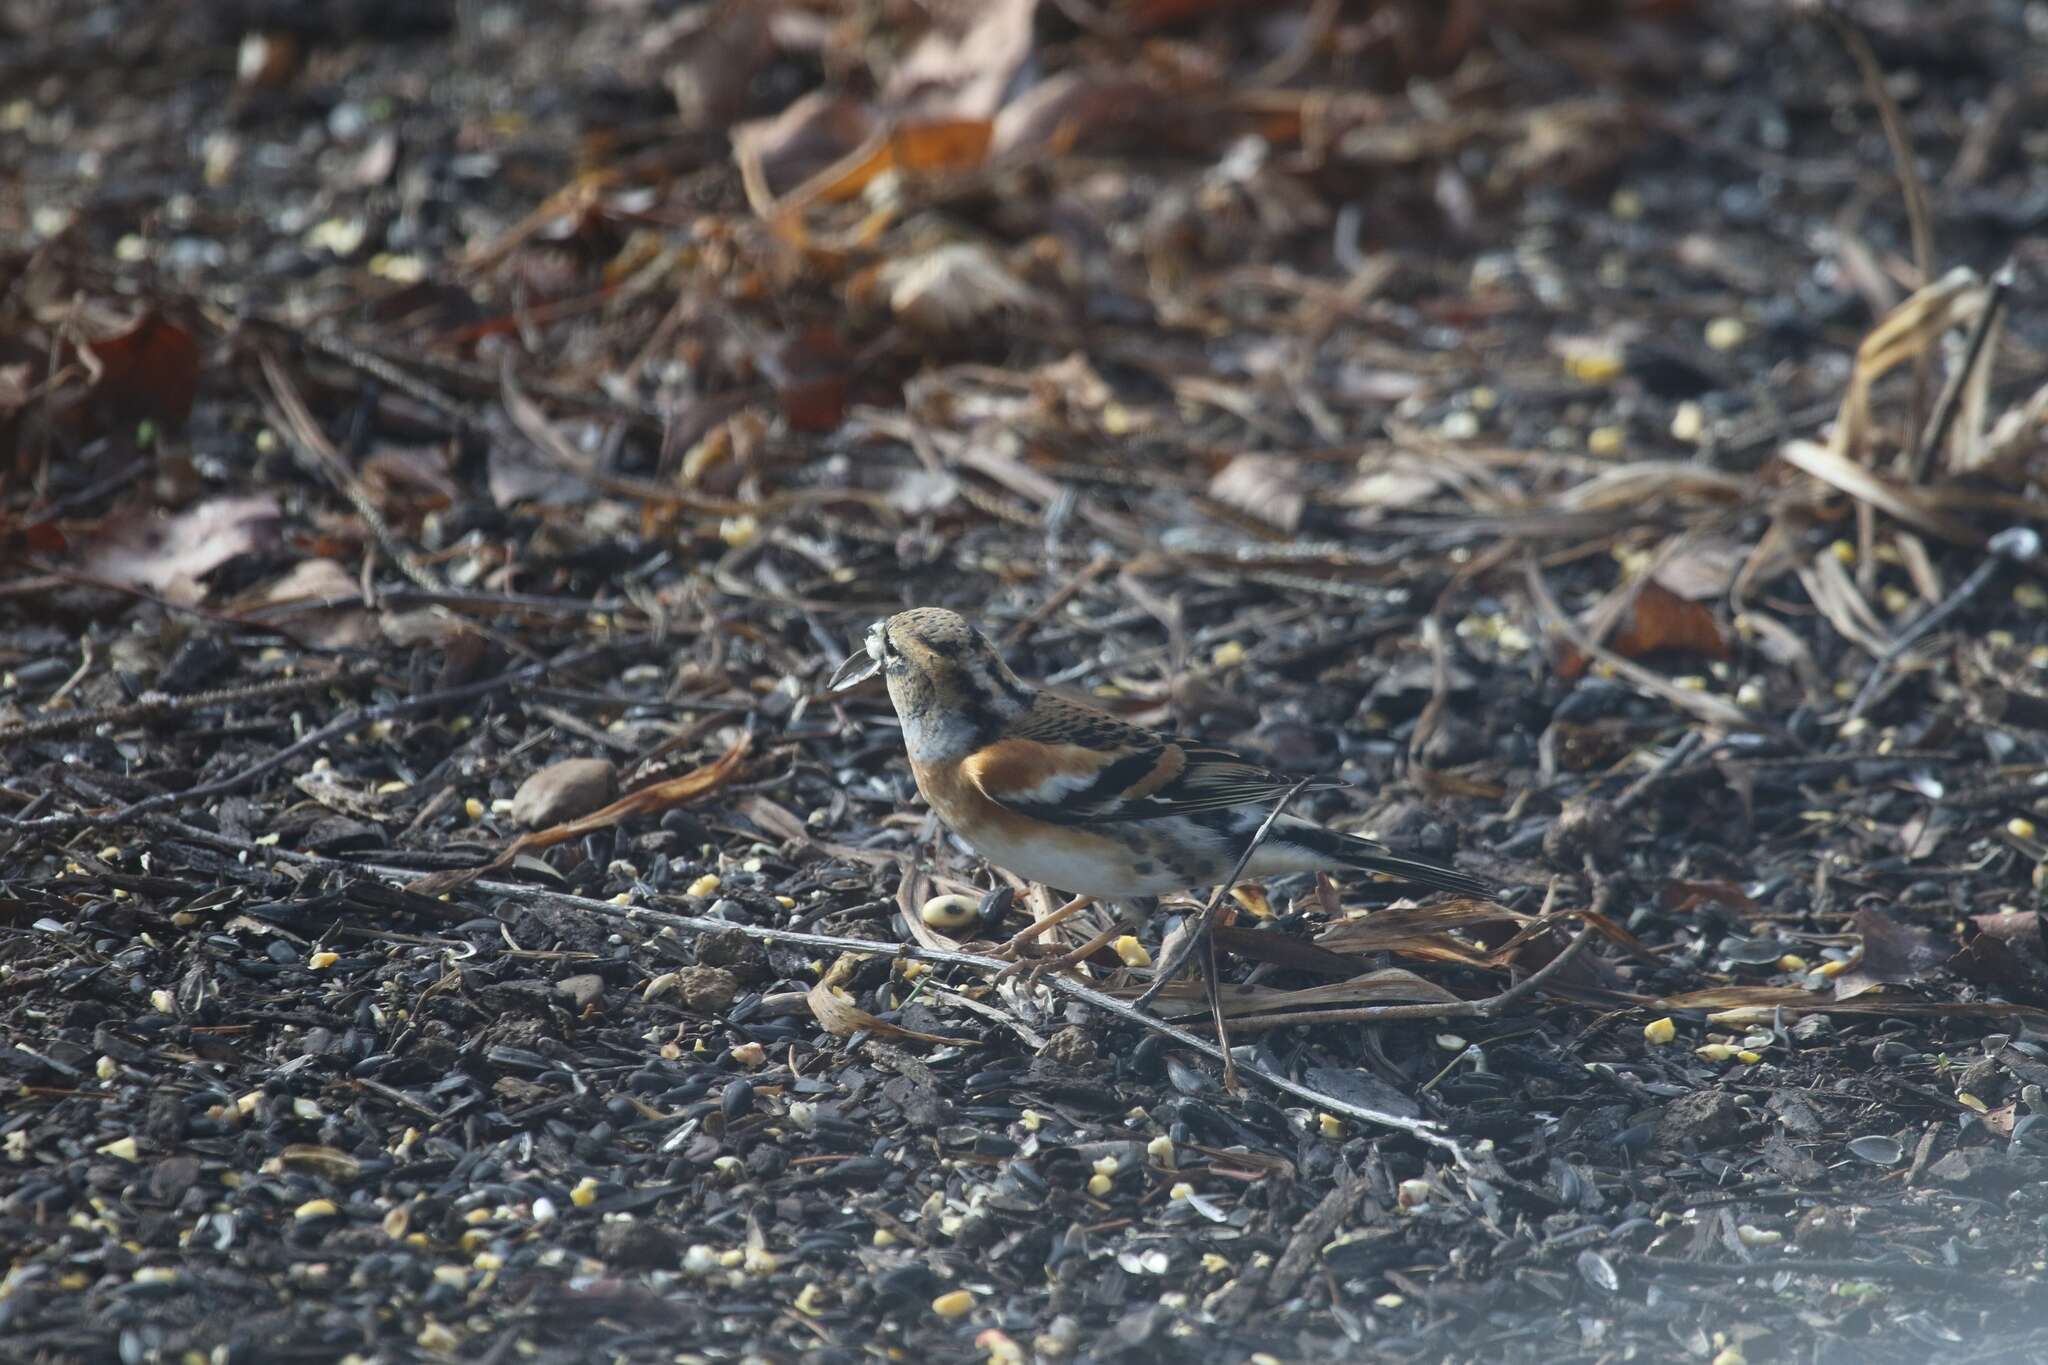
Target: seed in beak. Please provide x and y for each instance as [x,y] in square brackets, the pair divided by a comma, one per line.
[857,669]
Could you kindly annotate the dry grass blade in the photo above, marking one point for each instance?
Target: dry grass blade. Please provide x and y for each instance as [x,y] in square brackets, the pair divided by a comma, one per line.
[291,415]
[1792,1001]
[1405,926]
[1832,467]
[1829,586]
[1653,482]
[1387,986]
[1907,333]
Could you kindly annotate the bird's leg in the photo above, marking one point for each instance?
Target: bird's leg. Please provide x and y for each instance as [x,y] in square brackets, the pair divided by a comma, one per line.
[1022,939]
[1128,918]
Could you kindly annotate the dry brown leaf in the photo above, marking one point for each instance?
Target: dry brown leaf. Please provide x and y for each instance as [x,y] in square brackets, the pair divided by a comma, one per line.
[1701,570]
[411,478]
[1703,706]
[1394,480]
[712,56]
[1906,333]
[966,72]
[815,132]
[1906,504]
[1680,897]
[1054,115]
[1894,953]
[1831,589]
[169,555]
[2006,956]
[842,1018]
[1266,486]
[150,368]
[784,825]
[316,581]
[2017,433]
[955,288]
[1658,620]
[1654,483]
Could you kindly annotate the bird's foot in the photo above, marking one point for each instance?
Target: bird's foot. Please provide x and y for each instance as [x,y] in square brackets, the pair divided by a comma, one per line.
[1014,946]
[1032,968]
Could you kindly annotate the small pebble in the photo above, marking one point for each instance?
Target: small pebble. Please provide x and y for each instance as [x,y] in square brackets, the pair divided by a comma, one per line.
[563,791]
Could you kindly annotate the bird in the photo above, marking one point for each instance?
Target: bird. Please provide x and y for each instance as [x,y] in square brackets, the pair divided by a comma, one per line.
[1079,800]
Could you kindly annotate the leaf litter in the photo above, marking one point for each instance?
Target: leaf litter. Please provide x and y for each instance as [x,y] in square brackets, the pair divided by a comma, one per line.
[1575,428]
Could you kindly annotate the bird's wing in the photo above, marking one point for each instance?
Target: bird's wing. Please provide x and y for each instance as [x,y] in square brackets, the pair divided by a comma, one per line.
[1072,765]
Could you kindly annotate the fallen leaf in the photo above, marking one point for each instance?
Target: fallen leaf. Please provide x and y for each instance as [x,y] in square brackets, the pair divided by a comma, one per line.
[1894,953]
[313,581]
[1266,486]
[968,72]
[2005,957]
[1658,620]
[1898,500]
[713,55]
[170,555]
[406,478]
[955,288]
[148,369]
[777,154]
[1054,115]
[1393,480]
[337,793]
[813,374]
[1418,929]
[1904,334]
[842,1018]
[1700,571]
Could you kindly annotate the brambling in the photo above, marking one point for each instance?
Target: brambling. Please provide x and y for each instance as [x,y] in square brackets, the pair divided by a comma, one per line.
[1073,797]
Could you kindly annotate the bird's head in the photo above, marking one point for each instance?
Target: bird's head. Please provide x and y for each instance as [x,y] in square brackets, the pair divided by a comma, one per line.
[949,685]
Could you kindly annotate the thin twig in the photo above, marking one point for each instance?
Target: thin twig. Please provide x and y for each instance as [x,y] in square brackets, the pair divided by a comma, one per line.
[1918,221]
[155,706]
[295,421]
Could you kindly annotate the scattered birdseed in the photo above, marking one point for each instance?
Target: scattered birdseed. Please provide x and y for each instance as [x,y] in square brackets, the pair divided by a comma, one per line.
[954,1303]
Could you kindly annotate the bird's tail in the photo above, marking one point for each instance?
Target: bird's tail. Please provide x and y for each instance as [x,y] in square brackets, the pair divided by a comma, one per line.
[1348,850]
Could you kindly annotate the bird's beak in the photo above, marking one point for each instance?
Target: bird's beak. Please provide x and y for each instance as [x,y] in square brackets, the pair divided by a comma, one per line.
[857,669]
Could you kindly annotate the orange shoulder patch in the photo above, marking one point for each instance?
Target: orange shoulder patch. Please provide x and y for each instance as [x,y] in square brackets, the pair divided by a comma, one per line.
[1012,768]
[1173,761]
